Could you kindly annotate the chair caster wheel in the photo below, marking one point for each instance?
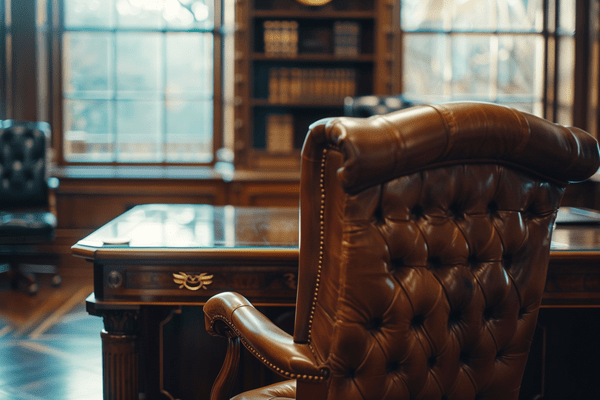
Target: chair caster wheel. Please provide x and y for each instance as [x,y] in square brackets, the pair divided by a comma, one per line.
[56,280]
[32,289]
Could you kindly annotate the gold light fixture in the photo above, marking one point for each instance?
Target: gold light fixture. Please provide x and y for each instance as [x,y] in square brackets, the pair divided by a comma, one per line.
[313,2]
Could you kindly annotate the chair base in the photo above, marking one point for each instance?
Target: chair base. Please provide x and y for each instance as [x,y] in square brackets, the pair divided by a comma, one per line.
[23,276]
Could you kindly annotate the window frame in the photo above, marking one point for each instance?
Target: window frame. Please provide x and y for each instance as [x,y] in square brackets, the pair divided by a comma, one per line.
[581,110]
[55,9]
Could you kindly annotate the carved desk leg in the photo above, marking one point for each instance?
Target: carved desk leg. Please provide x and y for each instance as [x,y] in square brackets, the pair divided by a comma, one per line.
[120,354]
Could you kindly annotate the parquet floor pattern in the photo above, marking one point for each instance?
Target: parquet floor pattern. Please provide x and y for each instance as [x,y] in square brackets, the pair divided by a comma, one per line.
[49,346]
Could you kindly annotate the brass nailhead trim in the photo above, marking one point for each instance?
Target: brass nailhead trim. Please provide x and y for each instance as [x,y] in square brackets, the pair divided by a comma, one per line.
[317,285]
[263,359]
[321,246]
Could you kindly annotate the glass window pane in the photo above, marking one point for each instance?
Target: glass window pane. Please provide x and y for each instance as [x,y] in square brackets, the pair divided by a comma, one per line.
[87,130]
[471,63]
[423,14]
[138,63]
[139,131]
[424,65]
[138,80]
[88,13]
[189,59]
[520,15]
[140,13]
[565,90]
[527,107]
[190,14]
[87,61]
[189,131]
[566,17]
[473,15]
[520,59]
[157,14]
[486,50]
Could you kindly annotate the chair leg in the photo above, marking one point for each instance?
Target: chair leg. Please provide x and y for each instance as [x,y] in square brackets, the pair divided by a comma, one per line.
[24,275]
[31,285]
[221,389]
[32,269]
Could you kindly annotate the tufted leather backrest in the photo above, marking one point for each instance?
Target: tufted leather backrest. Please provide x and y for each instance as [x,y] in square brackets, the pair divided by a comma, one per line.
[23,164]
[424,245]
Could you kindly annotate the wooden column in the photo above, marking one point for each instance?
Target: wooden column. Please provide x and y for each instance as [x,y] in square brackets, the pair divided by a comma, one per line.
[120,349]
[21,61]
[120,366]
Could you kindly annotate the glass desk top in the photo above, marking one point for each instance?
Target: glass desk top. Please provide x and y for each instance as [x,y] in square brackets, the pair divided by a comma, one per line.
[204,228]
[194,227]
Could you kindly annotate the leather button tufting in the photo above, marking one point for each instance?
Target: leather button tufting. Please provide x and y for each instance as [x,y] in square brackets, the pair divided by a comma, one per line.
[432,361]
[456,211]
[417,321]
[392,366]
[492,207]
[378,215]
[417,212]
[434,262]
[500,355]
[465,357]
[395,265]
[507,261]
[455,317]
[375,324]
[488,314]
[472,260]
[522,312]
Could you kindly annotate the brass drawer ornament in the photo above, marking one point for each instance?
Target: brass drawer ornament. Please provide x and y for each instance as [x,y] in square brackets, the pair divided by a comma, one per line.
[192,282]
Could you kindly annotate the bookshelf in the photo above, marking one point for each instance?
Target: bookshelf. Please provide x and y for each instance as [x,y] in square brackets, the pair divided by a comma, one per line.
[295,64]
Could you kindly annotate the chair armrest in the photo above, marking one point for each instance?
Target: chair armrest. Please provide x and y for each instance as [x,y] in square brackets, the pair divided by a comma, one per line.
[232,315]
[53,184]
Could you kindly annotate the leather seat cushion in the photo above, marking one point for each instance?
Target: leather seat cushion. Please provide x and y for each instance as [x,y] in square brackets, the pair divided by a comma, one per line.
[24,227]
[285,390]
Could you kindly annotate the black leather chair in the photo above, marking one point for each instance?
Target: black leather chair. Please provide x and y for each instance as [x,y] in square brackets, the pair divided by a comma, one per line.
[26,221]
[367,106]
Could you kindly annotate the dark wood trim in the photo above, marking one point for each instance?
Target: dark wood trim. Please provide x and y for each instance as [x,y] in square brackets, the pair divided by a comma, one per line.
[3,61]
[22,97]
[56,76]
[582,55]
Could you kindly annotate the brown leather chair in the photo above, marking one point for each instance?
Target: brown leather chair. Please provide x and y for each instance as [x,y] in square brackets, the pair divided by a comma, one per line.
[424,246]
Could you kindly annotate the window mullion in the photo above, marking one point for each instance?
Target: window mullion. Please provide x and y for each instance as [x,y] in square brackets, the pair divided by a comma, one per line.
[115,99]
[164,98]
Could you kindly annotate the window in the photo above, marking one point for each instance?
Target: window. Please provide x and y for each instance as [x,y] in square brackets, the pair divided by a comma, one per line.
[138,81]
[515,52]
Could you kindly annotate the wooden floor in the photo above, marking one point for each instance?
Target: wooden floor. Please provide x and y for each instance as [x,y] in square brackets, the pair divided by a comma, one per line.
[49,346]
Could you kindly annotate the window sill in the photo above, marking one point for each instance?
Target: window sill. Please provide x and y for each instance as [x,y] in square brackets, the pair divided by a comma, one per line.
[224,172]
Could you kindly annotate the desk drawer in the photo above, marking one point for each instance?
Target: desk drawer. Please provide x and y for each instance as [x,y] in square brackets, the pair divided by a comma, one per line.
[193,284]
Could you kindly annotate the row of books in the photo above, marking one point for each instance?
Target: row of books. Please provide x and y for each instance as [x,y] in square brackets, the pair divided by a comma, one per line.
[281,39]
[311,85]
[346,38]
[280,133]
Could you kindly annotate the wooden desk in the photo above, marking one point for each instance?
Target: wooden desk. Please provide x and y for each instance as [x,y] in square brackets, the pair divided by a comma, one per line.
[154,261]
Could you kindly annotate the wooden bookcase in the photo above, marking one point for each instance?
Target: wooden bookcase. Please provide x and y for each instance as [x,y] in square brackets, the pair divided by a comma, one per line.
[294,64]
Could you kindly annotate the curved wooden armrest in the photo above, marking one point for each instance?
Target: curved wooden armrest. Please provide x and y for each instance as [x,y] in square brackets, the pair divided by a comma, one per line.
[271,345]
